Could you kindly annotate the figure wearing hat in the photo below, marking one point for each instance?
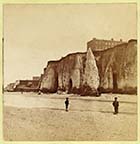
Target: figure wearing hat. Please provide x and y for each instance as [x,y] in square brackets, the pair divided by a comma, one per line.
[115,105]
[67,103]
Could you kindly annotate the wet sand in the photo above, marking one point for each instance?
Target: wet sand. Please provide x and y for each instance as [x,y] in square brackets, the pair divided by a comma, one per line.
[30,117]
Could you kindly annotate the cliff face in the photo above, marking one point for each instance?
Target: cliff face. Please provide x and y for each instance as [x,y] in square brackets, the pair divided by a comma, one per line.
[113,70]
[74,73]
[91,75]
[49,78]
[70,72]
[65,74]
[118,68]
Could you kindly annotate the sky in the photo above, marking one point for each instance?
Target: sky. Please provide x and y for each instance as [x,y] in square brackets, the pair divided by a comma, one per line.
[35,34]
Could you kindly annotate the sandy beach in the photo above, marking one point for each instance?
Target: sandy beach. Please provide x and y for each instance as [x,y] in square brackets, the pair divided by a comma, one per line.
[32,117]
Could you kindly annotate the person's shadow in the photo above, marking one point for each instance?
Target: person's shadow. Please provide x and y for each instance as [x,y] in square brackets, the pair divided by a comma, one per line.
[127,113]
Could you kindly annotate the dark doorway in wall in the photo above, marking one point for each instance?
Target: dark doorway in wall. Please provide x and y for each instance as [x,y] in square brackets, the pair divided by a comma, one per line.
[115,84]
[70,86]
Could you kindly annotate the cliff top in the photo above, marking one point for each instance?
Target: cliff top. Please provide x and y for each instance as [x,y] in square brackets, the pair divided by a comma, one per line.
[71,54]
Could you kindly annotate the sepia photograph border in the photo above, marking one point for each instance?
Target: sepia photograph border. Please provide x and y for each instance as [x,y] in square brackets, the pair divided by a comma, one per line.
[2,2]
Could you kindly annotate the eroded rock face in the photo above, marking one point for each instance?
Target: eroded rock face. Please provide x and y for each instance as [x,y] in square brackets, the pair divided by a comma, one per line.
[72,74]
[49,80]
[112,70]
[91,75]
[65,74]
[69,72]
[118,68]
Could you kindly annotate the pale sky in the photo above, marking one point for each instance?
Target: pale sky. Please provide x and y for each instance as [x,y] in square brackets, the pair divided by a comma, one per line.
[35,34]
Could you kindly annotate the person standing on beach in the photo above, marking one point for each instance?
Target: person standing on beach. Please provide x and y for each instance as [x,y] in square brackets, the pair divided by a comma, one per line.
[67,103]
[115,105]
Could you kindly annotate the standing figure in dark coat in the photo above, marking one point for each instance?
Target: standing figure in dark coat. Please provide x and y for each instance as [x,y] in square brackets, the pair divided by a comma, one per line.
[116,105]
[67,103]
